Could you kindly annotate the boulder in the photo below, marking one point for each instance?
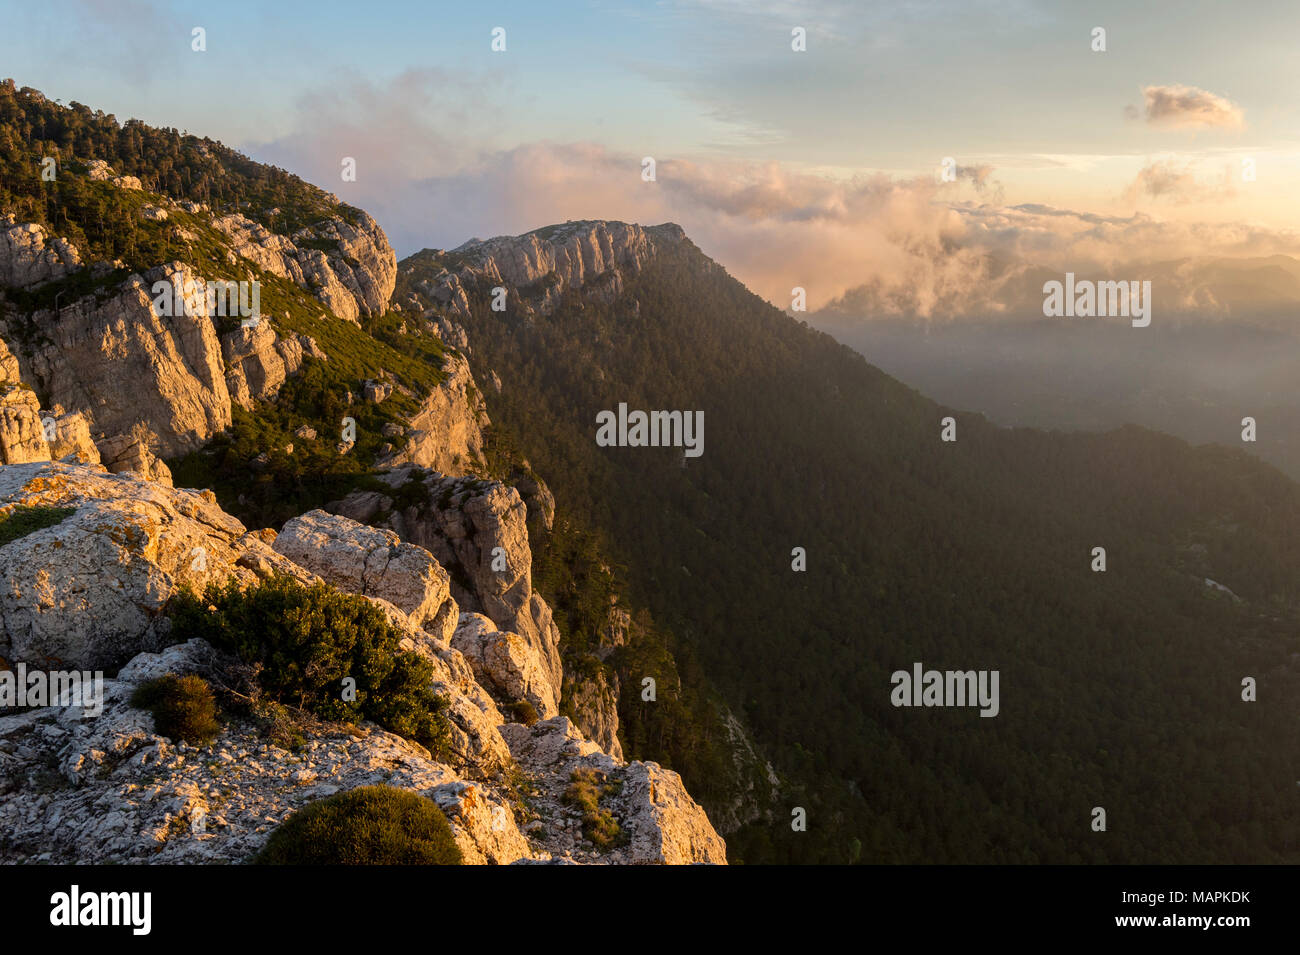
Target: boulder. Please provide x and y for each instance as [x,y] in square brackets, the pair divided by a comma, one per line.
[367,561]
[504,662]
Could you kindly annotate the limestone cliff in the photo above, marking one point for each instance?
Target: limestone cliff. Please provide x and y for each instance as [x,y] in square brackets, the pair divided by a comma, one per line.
[539,268]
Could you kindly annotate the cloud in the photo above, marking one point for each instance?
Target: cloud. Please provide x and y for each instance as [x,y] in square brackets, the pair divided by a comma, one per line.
[1188,107]
[1177,182]
[866,246]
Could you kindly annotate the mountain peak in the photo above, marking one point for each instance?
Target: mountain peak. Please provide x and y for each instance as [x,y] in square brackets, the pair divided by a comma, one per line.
[591,255]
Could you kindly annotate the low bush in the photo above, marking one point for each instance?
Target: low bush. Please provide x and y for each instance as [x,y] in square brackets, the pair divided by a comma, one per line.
[183,708]
[372,825]
[307,641]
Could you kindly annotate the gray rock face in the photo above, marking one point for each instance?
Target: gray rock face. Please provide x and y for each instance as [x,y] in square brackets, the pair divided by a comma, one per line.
[506,663]
[173,364]
[367,561]
[446,434]
[595,710]
[133,452]
[89,590]
[589,256]
[183,378]
[28,256]
[22,438]
[356,278]
[658,818]
[259,362]
[538,497]
[477,530]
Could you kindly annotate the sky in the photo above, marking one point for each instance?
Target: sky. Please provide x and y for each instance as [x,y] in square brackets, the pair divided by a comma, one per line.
[822,168]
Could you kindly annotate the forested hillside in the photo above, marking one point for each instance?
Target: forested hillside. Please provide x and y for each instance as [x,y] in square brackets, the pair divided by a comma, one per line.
[1120,689]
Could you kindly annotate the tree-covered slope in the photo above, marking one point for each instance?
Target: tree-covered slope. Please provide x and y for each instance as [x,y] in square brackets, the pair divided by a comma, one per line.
[1119,689]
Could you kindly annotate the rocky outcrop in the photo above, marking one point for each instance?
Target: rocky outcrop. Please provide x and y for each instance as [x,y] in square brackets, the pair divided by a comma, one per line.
[85,352]
[133,452]
[477,530]
[183,377]
[259,361]
[89,590]
[72,441]
[28,256]
[353,274]
[595,709]
[658,820]
[446,434]
[540,267]
[81,787]
[370,562]
[27,434]
[22,437]
[97,170]
[505,663]
[538,497]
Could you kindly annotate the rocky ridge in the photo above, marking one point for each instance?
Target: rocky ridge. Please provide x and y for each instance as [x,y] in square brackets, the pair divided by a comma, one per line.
[589,257]
[89,592]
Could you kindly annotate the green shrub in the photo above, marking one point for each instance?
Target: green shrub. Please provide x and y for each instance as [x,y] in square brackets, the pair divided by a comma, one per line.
[307,640]
[23,520]
[523,712]
[183,707]
[372,825]
[586,787]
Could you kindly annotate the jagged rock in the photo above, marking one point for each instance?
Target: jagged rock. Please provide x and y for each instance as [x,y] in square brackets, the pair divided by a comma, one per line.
[88,590]
[377,391]
[587,256]
[614,634]
[173,363]
[478,531]
[660,820]
[452,334]
[259,362]
[505,662]
[484,825]
[306,432]
[10,373]
[28,256]
[22,437]
[759,780]
[153,214]
[25,432]
[131,452]
[446,434]
[538,497]
[665,824]
[595,710]
[73,443]
[355,279]
[367,561]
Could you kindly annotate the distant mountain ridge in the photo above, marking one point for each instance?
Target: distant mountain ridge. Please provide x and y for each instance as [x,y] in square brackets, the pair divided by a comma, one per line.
[974,553]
